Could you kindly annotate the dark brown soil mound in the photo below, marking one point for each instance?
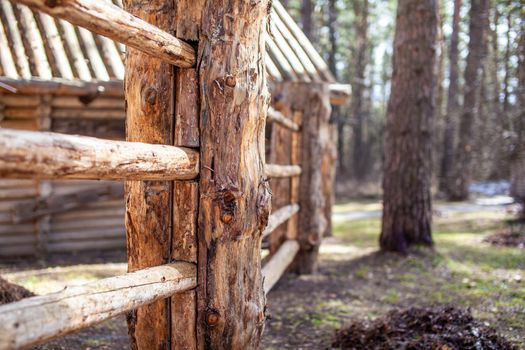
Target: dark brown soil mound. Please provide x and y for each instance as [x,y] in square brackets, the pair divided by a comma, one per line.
[432,328]
[11,292]
[512,236]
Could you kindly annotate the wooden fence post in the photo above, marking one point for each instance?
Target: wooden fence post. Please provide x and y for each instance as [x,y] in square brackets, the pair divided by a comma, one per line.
[313,99]
[149,118]
[234,194]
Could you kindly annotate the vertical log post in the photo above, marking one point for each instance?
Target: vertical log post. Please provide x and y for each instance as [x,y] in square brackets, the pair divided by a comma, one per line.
[234,194]
[43,224]
[280,153]
[295,159]
[313,99]
[186,193]
[149,118]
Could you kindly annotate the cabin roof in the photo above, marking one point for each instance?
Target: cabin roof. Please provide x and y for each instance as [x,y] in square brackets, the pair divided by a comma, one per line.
[35,45]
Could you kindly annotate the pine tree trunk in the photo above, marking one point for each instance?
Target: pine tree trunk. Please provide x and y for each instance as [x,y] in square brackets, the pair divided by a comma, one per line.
[518,156]
[407,213]
[452,102]
[451,115]
[307,10]
[357,108]
[477,50]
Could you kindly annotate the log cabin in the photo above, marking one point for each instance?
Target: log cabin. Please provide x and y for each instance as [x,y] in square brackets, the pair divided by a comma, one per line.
[55,76]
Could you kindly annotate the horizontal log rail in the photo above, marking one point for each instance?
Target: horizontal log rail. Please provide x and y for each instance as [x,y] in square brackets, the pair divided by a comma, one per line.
[46,155]
[276,266]
[279,217]
[35,320]
[104,18]
[276,170]
[278,117]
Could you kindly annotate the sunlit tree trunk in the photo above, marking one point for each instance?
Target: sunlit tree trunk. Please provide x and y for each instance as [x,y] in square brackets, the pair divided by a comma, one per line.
[407,213]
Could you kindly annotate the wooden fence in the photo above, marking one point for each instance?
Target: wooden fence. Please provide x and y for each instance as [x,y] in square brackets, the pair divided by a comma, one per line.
[197,194]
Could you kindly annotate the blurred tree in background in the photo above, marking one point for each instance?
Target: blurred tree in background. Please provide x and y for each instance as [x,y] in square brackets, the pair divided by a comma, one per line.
[356,37]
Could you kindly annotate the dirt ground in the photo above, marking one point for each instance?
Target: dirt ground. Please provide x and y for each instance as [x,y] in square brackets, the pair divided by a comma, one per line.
[356,282]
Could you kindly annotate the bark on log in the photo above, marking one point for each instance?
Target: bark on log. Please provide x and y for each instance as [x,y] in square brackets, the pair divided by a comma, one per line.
[276,170]
[185,194]
[277,265]
[279,217]
[150,118]
[109,20]
[234,197]
[34,320]
[25,154]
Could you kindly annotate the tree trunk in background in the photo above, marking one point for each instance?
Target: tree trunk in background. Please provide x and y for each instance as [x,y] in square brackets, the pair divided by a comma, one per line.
[508,73]
[518,156]
[477,49]
[357,110]
[500,125]
[439,122]
[407,213]
[449,131]
[307,11]
[336,116]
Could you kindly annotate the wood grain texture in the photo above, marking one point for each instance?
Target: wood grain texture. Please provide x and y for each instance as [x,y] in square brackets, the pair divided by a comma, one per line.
[150,118]
[44,155]
[34,320]
[234,195]
[109,20]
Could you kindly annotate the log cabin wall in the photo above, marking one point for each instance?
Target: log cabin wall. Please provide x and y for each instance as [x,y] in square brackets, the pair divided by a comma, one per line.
[70,81]
[94,222]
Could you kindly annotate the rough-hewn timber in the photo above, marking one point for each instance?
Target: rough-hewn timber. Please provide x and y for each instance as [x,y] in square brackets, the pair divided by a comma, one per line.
[28,154]
[313,100]
[234,195]
[150,118]
[104,18]
[33,321]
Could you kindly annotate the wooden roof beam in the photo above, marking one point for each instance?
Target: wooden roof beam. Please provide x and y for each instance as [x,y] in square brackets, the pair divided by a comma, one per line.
[109,20]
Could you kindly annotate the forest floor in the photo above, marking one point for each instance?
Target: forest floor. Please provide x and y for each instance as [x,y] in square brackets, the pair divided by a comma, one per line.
[355,282]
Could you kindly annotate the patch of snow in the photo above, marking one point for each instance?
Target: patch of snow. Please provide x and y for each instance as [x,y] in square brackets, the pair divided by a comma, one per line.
[491,188]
